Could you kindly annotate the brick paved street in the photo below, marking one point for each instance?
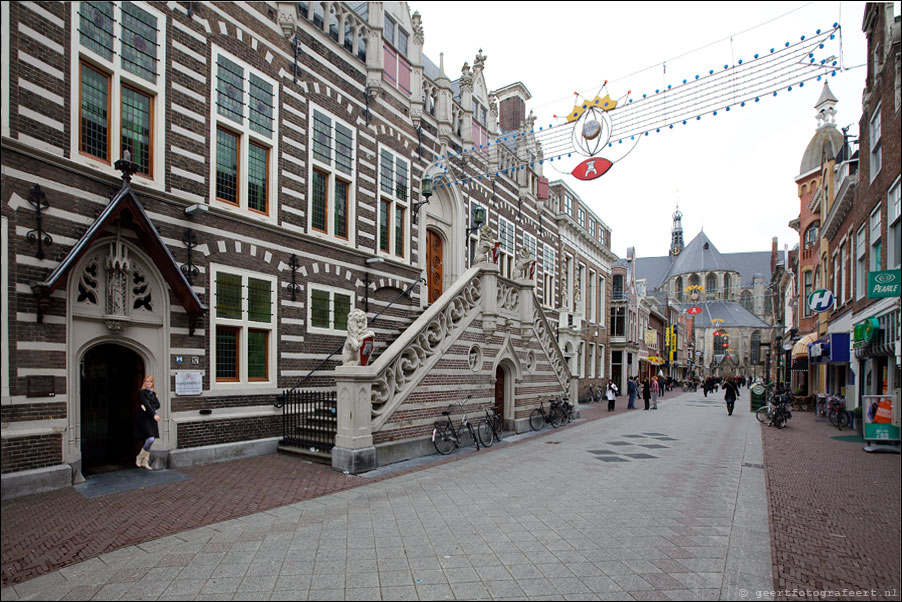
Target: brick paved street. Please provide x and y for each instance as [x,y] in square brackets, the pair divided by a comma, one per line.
[835,511]
[641,505]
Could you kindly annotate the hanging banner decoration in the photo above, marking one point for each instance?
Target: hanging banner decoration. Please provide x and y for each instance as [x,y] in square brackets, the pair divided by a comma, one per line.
[591,169]
[820,300]
[695,291]
[616,126]
[694,310]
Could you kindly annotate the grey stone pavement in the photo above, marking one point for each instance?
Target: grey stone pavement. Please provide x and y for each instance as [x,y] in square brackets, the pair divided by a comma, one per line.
[645,505]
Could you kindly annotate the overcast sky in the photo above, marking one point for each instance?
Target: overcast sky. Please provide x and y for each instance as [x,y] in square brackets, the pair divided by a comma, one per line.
[732,174]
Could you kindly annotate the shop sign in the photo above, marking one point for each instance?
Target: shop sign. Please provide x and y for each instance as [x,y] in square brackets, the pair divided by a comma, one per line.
[884,283]
[189,383]
[877,414]
[820,300]
[651,336]
[864,332]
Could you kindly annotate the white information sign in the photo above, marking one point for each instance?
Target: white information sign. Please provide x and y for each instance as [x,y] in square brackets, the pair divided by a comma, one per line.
[189,383]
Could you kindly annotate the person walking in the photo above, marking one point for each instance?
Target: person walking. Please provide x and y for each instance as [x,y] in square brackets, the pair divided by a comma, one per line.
[632,388]
[146,420]
[611,394]
[646,393]
[730,394]
[654,394]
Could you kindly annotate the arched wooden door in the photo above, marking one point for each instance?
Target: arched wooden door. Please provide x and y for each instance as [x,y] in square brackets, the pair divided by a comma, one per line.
[434,261]
[499,391]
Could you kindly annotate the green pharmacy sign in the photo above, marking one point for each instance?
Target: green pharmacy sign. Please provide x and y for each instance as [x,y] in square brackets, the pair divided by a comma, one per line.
[884,283]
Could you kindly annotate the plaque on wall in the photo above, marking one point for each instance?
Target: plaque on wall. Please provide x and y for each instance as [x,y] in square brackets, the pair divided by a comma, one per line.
[39,386]
[189,383]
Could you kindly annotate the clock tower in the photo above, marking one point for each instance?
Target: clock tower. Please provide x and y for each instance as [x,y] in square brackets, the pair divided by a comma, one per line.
[676,235]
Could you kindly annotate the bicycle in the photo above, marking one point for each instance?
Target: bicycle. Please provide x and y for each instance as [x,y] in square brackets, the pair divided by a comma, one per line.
[539,417]
[446,438]
[781,411]
[836,412]
[489,428]
[564,410]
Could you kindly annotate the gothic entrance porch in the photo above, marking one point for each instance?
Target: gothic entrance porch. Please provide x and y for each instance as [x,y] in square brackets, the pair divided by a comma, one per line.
[110,377]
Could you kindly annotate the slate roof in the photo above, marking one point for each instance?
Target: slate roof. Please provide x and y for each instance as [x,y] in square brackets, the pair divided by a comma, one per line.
[700,255]
[733,314]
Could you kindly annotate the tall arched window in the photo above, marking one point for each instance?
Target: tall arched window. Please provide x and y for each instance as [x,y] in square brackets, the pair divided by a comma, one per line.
[746,299]
[694,280]
[679,288]
[721,343]
[726,287]
[755,348]
[711,287]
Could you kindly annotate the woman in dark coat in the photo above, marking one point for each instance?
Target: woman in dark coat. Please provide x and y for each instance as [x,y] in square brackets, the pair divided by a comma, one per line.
[730,392]
[146,421]
[646,392]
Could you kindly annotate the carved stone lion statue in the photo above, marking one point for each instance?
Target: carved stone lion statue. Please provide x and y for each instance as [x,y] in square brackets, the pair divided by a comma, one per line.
[486,243]
[357,332]
[524,262]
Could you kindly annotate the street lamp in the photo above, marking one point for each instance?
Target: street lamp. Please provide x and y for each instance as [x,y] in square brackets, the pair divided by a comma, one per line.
[426,191]
[478,220]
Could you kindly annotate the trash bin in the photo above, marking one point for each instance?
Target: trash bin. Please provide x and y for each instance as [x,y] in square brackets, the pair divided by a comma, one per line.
[759,397]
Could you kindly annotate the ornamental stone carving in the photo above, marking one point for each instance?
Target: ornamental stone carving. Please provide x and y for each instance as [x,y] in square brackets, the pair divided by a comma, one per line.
[408,368]
[357,332]
[549,344]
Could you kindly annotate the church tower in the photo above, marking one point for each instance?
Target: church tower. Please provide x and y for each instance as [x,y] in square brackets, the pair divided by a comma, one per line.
[676,235]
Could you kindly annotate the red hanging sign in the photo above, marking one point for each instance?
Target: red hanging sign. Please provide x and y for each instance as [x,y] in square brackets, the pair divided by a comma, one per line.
[694,310]
[591,168]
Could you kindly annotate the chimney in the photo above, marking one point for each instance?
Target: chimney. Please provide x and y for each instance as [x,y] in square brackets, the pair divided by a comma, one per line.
[512,106]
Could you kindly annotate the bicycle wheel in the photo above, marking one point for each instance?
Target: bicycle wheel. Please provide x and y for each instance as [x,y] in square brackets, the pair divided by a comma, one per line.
[498,426]
[833,417]
[536,419]
[444,439]
[484,430]
[557,417]
[779,420]
[762,416]
[473,435]
[842,420]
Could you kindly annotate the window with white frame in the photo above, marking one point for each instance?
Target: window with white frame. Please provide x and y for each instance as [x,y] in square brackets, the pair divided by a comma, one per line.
[581,287]
[601,361]
[118,101]
[844,262]
[591,227]
[529,241]
[394,194]
[568,205]
[581,217]
[590,298]
[327,309]
[244,152]
[591,359]
[861,264]
[875,238]
[548,269]
[837,274]
[807,278]
[602,283]
[331,205]
[893,228]
[244,326]
[874,140]
[507,236]
[397,69]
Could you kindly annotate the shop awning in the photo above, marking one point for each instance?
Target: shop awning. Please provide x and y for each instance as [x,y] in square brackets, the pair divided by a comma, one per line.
[800,349]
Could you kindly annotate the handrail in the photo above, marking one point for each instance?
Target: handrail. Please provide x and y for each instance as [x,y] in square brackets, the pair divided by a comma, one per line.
[341,346]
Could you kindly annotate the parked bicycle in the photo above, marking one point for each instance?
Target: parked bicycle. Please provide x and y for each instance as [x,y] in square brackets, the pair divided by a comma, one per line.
[538,418]
[446,437]
[836,411]
[564,409]
[489,428]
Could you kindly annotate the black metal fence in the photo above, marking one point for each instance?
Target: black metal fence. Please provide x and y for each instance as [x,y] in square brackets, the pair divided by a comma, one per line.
[309,419]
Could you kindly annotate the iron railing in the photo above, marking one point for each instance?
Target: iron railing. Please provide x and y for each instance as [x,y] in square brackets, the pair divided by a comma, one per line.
[309,419]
